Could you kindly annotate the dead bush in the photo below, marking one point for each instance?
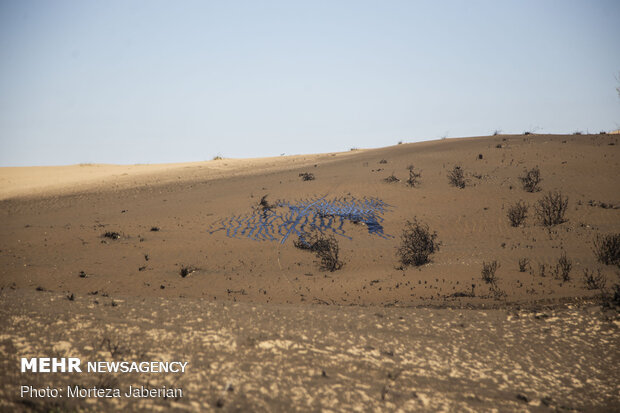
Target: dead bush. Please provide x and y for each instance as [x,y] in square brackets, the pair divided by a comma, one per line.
[523,263]
[417,243]
[551,209]
[607,249]
[307,176]
[517,213]
[531,180]
[456,177]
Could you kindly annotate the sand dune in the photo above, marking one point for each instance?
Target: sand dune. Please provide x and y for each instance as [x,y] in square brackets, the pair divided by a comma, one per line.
[54,218]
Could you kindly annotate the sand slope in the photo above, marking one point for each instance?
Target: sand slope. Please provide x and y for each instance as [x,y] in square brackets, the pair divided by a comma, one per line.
[53,220]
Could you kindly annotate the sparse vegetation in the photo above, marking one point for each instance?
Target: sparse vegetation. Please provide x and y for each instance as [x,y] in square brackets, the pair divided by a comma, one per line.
[383,161]
[488,272]
[531,180]
[607,249]
[217,158]
[594,281]
[456,177]
[307,176]
[325,247]
[417,244]
[414,177]
[523,264]
[517,213]
[551,209]
[154,229]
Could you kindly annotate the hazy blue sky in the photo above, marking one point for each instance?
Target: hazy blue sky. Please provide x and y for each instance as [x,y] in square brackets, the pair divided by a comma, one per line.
[170,81]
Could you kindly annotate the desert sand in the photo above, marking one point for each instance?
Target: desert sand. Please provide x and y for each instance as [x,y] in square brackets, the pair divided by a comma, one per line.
[288,334]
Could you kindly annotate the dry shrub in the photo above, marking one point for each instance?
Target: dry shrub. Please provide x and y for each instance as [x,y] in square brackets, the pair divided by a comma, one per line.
[488,272]
[392,178]
[563,268]
[594,281]
[517,213]
[551,209]
[417,243]
[325,247]
[456,177]
[523,263]
[414,177]
[607,249]
[531,180]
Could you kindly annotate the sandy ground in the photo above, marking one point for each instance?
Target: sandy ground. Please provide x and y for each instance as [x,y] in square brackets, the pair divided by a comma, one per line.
[52,246]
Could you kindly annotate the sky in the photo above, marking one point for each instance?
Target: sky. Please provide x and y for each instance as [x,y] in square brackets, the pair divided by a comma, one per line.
[131,82]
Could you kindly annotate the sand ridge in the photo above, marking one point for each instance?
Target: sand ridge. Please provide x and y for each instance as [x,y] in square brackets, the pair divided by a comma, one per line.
[55,180]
